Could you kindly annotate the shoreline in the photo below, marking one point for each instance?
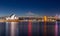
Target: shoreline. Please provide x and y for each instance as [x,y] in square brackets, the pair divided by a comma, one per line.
[1,20]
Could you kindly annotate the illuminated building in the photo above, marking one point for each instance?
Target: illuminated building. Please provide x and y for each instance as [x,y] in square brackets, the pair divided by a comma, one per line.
[12,17]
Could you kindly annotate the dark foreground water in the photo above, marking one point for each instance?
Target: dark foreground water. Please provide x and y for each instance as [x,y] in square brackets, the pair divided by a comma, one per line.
[35,29]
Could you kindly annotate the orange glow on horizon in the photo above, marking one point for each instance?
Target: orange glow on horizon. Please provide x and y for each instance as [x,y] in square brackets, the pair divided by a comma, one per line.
[45,18]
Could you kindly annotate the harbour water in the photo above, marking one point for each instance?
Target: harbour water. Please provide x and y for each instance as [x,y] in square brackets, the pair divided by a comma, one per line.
[29,28]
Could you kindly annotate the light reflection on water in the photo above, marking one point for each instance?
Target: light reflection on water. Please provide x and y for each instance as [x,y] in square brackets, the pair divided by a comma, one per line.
[21,29]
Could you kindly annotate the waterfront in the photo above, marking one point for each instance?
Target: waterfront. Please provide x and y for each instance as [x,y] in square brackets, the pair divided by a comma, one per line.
[36,28]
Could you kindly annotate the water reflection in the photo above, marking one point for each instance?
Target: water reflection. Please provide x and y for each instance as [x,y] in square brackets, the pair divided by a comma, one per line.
[11,28]
[50,28]
[2,29]
[25,28]
[56,29]
[7,29]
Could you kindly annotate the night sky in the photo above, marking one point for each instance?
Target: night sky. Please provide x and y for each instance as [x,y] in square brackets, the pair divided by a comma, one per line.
[37,7]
